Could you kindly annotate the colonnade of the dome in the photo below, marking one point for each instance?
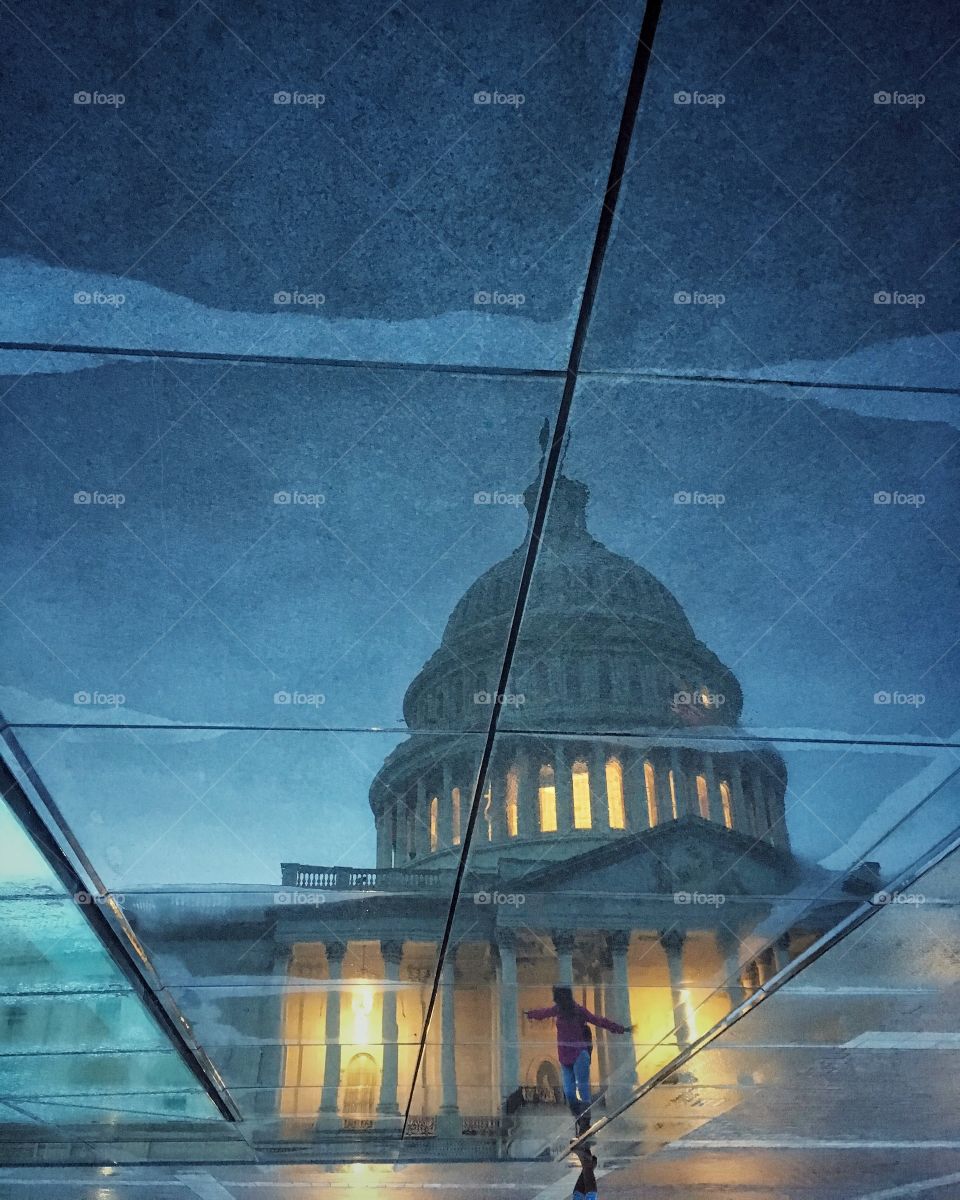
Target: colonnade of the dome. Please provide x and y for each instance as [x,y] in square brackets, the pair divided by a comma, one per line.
[589,789]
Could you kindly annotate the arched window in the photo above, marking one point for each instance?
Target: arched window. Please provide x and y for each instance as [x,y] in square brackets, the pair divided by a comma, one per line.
[725,804]
[434,821]
[582,817]
[703,797]
[614,773]
[513,793]
[673,793]
[361,1082]
[455,804]
[650,782]
[547,796]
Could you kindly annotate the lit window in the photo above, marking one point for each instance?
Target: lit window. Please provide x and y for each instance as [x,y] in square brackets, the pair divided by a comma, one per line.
[581,796]
[455,799]
[703,797]
[673,794]
[614,772]
[434,816]
[488,811]
[548,801]
[725,804]
[650,780]
[513,792]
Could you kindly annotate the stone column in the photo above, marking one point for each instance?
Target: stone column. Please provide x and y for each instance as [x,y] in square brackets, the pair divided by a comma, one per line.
[672,943]
[563,785]
[625,1050]
[713,791]
[564,944]
[421,821]
[392,953]
[679,784]
[599,1005]
[330,1094]
[385,836]
[599,800]
[497,778]
[729,947]
[661,767]
[449,1117]
[741,818]
[509,1047]
[634,790]
[759,809]
[781,953]
[445,809]
[528,821]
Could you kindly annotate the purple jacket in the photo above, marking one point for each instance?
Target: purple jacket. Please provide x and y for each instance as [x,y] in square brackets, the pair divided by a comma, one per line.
[570,1039]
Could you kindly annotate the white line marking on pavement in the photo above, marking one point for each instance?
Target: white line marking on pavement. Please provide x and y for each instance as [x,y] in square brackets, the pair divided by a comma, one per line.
[913,1189]
[204,1185]
[800,1143]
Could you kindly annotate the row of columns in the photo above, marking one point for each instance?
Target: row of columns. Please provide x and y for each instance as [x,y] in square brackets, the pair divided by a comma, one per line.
[620,1071]
[404,829]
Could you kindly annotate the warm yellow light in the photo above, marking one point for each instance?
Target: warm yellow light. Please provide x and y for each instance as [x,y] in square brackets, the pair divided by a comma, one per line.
[725,804]
[582,817]
[455,799]
[548,801]
[434,817]
[650,781]
[614,773]
[703,797]
[689,1013]
[513,796]
[361,1006]
[673,794]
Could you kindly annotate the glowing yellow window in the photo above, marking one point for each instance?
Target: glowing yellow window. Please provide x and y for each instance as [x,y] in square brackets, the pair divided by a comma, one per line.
[581,796]
[673,794]
[614,772]
[488,811]
[548,801]
[725,804]
[703,797]
[513,792]
[455,799]
[650,781]
[434,817]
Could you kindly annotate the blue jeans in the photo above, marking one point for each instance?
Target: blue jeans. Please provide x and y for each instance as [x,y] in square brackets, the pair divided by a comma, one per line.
[576,1083]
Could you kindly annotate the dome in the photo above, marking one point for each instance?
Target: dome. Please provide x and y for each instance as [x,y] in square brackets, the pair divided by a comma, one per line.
[591,614]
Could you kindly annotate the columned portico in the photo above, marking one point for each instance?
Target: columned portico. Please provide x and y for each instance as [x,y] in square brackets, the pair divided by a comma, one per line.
[449,1111]
[672,943]
[625,1052]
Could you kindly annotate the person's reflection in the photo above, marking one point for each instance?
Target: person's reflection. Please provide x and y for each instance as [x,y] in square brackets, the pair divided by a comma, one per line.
[586,1186]
[574,1047]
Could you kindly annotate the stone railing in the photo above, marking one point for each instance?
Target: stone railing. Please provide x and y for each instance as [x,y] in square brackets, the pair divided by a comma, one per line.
[382,879]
